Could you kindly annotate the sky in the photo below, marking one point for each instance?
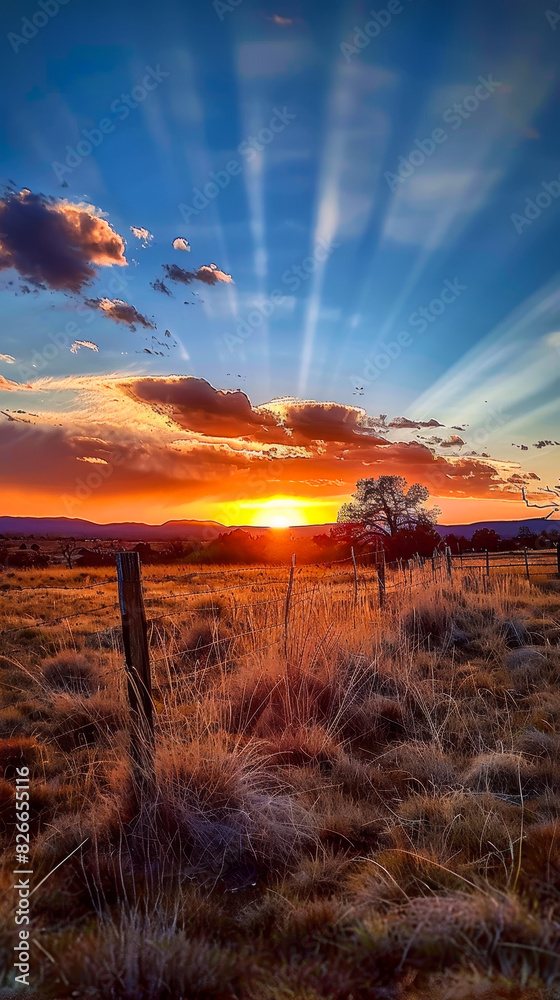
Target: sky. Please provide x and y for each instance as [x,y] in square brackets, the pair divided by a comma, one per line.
[252,252]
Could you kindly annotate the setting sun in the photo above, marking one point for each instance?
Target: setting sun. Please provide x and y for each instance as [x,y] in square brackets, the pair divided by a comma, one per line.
[280,512]
[279,521]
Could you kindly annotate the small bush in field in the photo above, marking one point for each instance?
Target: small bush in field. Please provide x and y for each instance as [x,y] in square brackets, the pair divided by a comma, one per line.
[507,773]
[17,752]
[70,671]
[201,643]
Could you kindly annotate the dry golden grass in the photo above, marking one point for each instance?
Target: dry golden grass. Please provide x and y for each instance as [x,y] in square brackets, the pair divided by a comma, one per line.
[370,808]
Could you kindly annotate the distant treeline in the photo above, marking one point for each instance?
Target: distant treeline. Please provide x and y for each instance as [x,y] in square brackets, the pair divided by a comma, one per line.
[273,547]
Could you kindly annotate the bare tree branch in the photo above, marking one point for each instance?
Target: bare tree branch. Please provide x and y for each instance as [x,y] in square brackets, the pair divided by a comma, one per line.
[555,507]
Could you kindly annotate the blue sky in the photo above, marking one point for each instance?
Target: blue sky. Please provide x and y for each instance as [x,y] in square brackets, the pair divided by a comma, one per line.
[348,111]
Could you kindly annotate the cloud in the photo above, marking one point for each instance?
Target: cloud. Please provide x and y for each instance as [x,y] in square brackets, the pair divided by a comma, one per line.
[181,244]
[144,235]
[7,385]
[197,406]
[165,442]
[121,312]
[308,421]
[453,442]
[159,286]
[405,422]
[83,343]
[51,242]
[209,274]
[283,21]
[7,359]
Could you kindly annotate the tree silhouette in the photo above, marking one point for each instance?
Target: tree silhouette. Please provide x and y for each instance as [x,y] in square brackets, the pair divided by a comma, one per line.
[386,507]
[68,548]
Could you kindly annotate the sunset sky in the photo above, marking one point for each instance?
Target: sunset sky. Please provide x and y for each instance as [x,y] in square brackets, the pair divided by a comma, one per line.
[253,252]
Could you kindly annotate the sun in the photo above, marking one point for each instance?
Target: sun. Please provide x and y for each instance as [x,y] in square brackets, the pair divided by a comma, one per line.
[279,521]
[279,512]
[275,512]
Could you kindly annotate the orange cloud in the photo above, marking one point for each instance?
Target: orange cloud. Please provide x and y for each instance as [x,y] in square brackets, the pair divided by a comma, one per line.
[55,244]
[164,443]
[6,384]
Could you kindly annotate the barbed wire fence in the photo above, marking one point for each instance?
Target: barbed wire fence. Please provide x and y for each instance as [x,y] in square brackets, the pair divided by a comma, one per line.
[359,575]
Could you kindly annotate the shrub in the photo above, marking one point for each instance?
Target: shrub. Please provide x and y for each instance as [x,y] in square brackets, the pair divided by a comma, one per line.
[70,671]
[506,773]
[17,752]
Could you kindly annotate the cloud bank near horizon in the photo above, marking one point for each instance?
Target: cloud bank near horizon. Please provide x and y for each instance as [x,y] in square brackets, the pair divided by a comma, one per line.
[175,440]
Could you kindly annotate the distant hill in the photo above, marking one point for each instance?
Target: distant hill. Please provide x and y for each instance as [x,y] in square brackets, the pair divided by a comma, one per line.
[68,527]
[506,529]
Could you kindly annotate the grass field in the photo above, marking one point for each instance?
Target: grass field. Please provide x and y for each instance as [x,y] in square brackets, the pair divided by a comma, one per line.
[364,806]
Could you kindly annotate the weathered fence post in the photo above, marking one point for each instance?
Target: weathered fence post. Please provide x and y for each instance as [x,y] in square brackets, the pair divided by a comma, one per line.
[449,562]
[381,577]
[355,577]
[288,599]
[558,556]
[487,563]
[527,564]
[137,660]
[434,564]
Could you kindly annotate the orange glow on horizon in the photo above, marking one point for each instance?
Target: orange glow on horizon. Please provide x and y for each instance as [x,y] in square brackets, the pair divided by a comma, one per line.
[276,511]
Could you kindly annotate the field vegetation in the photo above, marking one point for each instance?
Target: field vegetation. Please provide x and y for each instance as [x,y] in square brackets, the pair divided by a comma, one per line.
[364,805]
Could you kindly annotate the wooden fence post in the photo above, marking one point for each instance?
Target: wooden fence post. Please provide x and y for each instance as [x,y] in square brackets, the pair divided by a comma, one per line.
[558,556]
[487,563]
[137,660]
[381,577]
[288,599]
[449,562]
[527,564]
[355,577]
[434,564]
